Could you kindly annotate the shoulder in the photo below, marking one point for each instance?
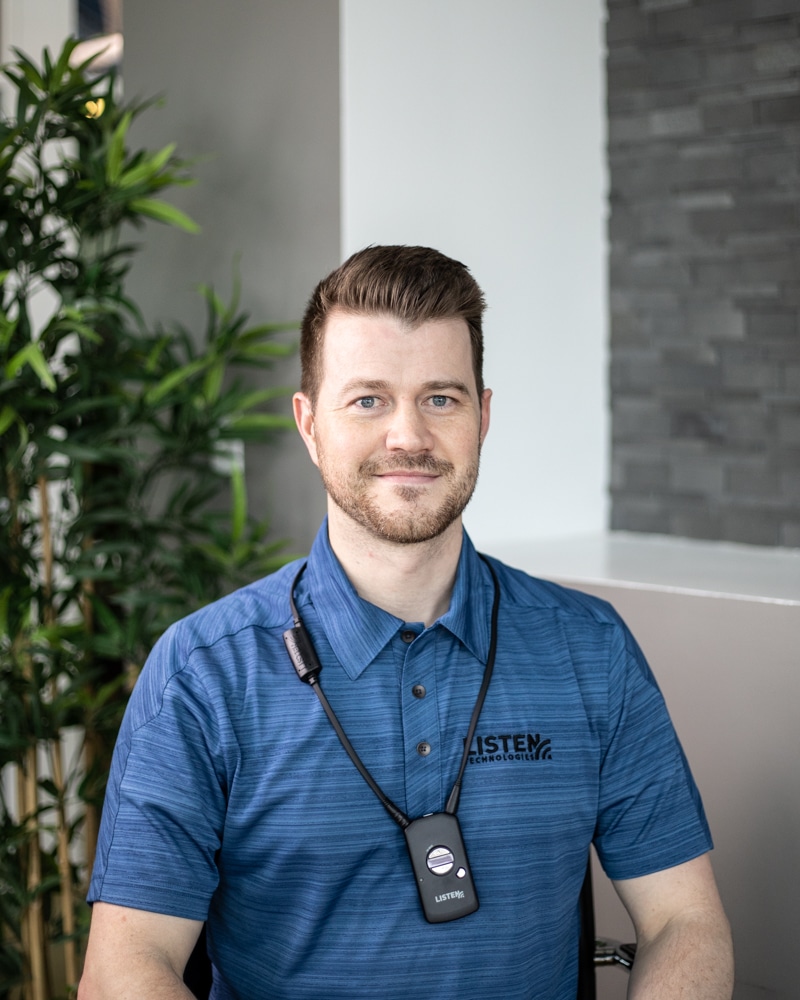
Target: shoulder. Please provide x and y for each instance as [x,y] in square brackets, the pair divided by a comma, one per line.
[208,655]
[262,605]
[569,626]
[522,591]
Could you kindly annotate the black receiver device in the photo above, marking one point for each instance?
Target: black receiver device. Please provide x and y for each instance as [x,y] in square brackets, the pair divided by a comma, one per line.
[440,864]
[434,841]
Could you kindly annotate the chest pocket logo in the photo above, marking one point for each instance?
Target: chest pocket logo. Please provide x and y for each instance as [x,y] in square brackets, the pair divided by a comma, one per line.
[491,749]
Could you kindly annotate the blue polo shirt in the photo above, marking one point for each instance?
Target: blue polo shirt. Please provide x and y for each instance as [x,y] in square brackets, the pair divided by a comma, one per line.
[231,799]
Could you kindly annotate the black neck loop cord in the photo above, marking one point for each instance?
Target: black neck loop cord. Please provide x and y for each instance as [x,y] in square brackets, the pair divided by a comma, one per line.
[306,663]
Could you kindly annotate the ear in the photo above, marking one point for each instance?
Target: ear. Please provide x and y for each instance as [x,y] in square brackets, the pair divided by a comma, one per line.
[304,418]
[486,400]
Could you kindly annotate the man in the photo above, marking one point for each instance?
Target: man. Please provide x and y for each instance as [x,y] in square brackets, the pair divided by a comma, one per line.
[232,799]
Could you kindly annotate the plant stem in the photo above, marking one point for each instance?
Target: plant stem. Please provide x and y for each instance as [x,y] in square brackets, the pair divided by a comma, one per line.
[91,822]
[91,739]
[47,550]
[54,747]
[36,989]
[56,760]
[64,871]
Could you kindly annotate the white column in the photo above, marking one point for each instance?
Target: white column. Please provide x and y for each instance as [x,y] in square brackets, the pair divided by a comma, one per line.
[31,25]
[478,128]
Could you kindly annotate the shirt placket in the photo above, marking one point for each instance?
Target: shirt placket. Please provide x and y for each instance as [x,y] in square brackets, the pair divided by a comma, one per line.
[421,735]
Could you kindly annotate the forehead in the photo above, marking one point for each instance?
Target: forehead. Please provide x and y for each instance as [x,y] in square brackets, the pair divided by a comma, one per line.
[365,349]
[371,346]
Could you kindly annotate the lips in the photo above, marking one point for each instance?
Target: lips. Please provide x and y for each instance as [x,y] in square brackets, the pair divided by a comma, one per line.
[419,467]
[408,478]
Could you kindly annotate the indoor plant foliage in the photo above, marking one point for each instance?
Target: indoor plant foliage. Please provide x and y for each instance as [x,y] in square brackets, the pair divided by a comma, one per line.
[122,501]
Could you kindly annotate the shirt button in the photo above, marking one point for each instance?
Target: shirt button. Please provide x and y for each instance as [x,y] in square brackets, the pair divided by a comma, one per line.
[423,749]
[408,636]
[418,690]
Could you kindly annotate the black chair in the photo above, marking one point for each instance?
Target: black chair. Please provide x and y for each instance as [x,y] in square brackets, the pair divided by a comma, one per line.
[197,974]
[592,952]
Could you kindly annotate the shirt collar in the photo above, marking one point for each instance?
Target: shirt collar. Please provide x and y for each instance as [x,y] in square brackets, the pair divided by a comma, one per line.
[357,630]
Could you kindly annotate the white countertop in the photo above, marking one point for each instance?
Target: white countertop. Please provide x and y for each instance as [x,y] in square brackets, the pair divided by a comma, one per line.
[624,559]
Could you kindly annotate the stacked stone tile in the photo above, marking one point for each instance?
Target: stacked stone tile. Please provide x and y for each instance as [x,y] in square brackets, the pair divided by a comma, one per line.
[704,156]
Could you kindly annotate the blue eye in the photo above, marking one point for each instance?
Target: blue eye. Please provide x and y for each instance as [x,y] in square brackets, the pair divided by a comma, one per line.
[439,400]
[366,402]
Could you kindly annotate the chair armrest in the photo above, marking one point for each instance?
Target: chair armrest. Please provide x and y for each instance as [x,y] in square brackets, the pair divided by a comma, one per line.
[610,952]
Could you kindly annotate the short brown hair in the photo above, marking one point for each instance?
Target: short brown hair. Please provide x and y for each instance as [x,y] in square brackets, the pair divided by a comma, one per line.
[413,284]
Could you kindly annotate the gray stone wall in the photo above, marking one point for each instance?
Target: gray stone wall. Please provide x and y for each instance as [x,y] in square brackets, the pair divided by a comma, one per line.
[704,155]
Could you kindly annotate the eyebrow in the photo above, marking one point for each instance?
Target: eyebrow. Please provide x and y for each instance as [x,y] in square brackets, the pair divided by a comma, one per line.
[444,384]
[364,385]
[381,385]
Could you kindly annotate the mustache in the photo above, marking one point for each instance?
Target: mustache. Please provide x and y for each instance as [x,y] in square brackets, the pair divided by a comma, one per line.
[406,463]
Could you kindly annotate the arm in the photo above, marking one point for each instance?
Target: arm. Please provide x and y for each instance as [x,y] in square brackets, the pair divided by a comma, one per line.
[684,949]
[134,953]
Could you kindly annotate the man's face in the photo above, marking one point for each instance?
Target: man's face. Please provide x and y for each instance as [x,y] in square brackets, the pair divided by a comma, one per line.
[397,427]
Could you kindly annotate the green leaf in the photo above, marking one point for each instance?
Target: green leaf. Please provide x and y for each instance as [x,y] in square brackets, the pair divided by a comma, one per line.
[156,352]
[7,418]
[265,329]
[82,405]
[5,598]
[239,503]
[105,617]
[31,355]
[265,350]
[48,785]
[162,212]
[250,400]
[218,307]
[258,422]
[76,326]
[78,452]
[116,149]
[7,329]
[175,379]
[28,69]
[147,169]
[213,382]
[62,65]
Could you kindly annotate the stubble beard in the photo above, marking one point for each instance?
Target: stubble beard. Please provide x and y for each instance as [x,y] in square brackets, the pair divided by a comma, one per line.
[413,521]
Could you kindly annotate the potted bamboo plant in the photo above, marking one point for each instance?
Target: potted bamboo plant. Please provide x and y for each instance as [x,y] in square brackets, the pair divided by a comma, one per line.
[122,497]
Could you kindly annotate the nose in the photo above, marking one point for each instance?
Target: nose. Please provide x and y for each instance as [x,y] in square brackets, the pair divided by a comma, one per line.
[408,430]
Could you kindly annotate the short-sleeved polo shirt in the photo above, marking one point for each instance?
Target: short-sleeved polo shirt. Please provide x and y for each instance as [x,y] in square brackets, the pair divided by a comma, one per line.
[232,800]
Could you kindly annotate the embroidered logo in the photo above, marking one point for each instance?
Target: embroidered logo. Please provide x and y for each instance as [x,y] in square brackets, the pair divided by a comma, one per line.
[508,746]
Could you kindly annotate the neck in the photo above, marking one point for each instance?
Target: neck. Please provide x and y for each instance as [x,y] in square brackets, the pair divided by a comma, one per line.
[413,582]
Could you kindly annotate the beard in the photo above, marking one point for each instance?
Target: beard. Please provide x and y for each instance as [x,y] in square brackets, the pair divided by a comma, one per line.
[415,518]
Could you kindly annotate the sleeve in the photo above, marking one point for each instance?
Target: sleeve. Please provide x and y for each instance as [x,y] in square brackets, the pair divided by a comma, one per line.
[650,815]
[165,803]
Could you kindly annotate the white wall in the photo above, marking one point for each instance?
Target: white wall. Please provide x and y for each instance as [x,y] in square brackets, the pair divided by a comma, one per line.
[31,25]
[478,128]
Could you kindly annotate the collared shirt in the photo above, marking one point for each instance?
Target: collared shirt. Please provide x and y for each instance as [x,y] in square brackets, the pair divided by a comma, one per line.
[231,797]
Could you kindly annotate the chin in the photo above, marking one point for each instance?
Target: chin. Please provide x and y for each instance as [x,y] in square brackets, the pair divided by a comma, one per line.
[408,527]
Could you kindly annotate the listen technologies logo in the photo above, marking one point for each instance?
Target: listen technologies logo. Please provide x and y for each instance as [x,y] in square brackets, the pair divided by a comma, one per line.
[456,894]
[510,747]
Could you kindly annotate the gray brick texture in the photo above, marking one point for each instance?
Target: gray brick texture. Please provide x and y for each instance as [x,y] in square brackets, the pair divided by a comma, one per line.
[704,268]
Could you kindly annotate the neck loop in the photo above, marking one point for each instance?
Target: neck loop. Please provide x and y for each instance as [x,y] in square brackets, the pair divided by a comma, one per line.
[306,664]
